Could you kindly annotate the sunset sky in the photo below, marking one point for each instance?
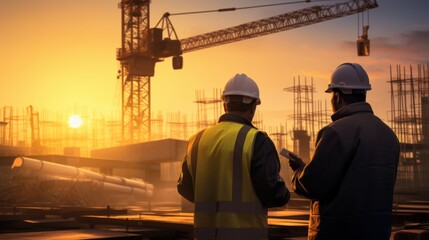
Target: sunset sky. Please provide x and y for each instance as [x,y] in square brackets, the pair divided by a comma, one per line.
[56,53]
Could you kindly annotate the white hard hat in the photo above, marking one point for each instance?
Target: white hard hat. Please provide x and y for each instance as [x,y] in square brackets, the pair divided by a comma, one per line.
[348,77]
[242,85]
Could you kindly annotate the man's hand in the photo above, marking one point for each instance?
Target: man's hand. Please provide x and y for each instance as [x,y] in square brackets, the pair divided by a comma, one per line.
[295,162]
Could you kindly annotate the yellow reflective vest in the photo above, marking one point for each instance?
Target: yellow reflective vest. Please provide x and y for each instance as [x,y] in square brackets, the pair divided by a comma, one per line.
[226,205]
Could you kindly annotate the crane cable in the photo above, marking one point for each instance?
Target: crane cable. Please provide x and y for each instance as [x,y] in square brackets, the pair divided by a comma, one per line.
[363,21]
[243,8]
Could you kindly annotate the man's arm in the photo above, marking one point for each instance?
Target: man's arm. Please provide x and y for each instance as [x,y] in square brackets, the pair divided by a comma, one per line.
[265,168]
[324,172]
[184,184]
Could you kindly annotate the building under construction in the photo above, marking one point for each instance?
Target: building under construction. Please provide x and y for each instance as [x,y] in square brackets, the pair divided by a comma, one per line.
[409,117]
[34,131]
[309,116]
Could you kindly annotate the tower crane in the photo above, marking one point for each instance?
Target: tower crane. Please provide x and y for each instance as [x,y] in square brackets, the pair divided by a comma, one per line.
[143,46]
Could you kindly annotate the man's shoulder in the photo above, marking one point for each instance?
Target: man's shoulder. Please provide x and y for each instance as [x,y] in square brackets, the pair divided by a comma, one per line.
[260,133]
[262,138]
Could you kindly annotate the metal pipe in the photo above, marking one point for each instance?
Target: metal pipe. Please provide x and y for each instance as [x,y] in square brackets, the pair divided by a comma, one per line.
[110,183]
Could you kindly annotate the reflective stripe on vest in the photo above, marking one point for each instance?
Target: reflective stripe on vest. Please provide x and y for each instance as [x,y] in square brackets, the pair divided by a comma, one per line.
[234,212]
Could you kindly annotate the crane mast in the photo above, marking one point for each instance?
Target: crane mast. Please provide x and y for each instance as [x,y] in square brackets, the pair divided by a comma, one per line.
[275,24]
[137,66]
[143,46]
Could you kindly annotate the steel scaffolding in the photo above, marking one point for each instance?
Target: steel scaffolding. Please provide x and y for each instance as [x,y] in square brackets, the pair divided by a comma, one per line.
[308,117]
[410,120]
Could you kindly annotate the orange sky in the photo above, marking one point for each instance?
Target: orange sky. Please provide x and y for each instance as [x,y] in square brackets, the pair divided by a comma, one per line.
[59,53]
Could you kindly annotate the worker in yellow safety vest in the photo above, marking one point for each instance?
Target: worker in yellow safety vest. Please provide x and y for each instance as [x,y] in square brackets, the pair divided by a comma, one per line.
[231,170]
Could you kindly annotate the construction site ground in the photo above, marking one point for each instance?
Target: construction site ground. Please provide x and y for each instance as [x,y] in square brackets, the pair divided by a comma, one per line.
[411,221]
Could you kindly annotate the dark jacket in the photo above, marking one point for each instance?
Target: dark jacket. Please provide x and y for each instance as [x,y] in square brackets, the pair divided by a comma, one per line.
[351,177]
[265,167]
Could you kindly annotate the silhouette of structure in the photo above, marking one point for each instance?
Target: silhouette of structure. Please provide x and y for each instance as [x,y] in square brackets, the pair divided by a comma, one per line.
[410,120]
[308,117]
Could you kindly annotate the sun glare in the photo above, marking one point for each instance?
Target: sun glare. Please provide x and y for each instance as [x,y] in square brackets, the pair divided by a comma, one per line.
[75,121]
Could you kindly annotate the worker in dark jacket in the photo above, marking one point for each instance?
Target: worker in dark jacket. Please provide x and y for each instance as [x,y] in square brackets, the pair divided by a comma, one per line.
[351,176]
[231,170]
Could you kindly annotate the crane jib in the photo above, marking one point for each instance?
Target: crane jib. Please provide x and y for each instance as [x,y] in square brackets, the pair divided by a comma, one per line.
[283,22]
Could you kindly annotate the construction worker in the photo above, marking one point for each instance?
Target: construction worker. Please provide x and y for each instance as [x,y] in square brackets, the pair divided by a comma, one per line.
[351,176]
[231,170]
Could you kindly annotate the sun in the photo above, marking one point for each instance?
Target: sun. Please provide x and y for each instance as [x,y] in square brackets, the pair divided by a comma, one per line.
[75,121]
